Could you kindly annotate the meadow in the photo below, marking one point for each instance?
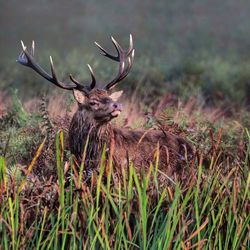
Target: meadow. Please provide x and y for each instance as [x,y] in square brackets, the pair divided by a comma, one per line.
[190,77]
[48,201]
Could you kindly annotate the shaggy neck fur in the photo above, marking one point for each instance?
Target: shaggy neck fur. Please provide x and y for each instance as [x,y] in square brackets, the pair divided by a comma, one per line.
[83,126]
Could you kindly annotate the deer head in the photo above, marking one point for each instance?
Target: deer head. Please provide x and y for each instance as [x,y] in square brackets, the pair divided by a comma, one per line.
[98,103]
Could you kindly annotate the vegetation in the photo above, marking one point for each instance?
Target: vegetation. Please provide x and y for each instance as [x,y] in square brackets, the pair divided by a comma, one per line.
[190,77]
[209,210]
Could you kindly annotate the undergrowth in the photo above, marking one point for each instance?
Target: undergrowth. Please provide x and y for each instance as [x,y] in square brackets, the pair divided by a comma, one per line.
[18,132]
[67,209]
[210,211]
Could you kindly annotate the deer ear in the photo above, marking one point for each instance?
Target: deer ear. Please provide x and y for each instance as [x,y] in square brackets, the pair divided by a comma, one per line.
[116,95]
[79,95]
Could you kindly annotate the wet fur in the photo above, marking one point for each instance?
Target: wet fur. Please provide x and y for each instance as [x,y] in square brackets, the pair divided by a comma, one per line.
[126,145]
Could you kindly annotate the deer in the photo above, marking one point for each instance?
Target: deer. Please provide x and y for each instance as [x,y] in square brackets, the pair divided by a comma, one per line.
[92,122]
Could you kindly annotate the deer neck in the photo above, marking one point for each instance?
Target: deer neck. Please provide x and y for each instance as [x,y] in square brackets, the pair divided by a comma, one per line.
[84,129]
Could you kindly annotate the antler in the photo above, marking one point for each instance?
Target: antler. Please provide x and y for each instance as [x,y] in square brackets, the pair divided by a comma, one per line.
[122,57]
[27,59]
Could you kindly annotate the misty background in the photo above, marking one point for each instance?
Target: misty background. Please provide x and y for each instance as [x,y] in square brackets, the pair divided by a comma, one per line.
[198,47]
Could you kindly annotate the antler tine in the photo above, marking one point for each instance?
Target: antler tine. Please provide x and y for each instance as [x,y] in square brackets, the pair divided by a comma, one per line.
[73,79]
[33,48]
[60,84]
[117,46]
[122,57]
[23,46]
[79,86]
[124,73]
[131,45]
[52,67]
[93,83]
[105,53]
[130,63]
[55,80]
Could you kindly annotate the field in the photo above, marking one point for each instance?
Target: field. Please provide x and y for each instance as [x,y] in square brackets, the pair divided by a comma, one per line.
[190,77]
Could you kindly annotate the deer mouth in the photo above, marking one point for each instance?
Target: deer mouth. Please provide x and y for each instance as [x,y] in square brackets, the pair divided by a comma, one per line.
[115,113]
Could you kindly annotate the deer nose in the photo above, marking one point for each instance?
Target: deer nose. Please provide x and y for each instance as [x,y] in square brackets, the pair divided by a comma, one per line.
[117,106]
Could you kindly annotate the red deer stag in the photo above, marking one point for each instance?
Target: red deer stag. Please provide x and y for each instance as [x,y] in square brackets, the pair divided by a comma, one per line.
[97,107]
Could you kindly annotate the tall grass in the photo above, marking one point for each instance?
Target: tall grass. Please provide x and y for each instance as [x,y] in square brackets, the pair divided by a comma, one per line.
[209,211]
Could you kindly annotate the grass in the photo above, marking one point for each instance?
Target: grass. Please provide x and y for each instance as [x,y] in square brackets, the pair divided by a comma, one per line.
[189,56]
[209,211]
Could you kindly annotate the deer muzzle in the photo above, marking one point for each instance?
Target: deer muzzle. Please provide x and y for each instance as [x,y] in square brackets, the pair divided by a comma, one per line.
[117,109]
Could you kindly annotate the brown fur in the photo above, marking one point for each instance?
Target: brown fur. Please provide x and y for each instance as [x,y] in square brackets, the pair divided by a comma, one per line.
[124,145]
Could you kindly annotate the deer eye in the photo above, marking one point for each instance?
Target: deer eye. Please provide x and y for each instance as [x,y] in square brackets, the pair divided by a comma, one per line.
[93,103]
